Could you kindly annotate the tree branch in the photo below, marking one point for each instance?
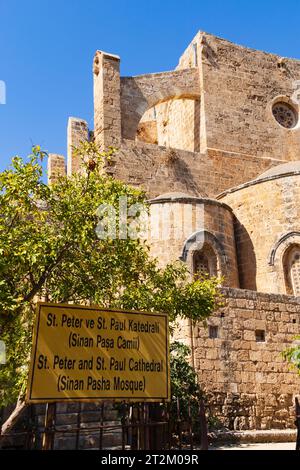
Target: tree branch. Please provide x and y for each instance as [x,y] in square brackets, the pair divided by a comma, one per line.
[13,418]
[44,276]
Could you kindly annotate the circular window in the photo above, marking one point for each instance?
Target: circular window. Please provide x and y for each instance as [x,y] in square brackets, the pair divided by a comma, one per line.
[285,115]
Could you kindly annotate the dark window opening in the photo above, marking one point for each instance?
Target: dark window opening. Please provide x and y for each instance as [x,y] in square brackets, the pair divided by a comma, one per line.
[205,261]
[213,332]
[260,336]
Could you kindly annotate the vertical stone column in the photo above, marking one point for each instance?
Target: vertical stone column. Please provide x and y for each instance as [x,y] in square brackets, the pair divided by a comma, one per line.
[201,48]
[107,100]
[56,167]
[77,132]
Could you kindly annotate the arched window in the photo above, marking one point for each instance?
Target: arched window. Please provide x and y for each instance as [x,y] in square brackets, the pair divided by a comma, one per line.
[205,261]
[285,114]
[291,264]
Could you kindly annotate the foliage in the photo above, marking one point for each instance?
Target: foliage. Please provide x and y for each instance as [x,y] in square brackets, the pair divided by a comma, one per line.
[49,250]
[184,382]
[292,355]
[185,392]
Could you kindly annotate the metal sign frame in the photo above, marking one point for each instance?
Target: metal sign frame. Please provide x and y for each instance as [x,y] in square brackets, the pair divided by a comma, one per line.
[142,316]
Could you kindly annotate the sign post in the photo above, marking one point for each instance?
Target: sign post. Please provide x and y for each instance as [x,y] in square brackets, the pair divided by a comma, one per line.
[91,354]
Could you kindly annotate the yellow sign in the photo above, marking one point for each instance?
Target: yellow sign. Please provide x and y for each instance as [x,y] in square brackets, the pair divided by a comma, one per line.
[88,354]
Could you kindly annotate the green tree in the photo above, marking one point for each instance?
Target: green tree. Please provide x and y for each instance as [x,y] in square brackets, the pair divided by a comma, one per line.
[183,376]
[49,249]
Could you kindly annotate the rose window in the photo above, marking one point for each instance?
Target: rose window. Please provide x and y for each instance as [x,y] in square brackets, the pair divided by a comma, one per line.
[285,115]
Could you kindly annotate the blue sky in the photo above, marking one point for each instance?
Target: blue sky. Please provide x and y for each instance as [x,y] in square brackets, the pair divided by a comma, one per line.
[47,49]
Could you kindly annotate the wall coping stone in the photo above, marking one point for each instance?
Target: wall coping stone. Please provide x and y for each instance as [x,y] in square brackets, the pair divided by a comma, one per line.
[257,181]
[231,292]
[188,200]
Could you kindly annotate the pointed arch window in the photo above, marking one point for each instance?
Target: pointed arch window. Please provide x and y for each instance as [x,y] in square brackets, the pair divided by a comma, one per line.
[205,261]
[295,271]
[291,264]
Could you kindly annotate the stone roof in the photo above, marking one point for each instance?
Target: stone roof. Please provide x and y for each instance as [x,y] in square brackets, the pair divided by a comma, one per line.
[175,195]
[185,198]
[285,168]
[276,172]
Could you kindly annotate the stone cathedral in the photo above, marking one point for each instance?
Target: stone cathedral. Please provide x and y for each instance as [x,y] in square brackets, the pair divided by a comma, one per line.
[218,136]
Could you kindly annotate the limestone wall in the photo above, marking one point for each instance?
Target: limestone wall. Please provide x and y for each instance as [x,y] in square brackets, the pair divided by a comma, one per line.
[239,86]
[175,219]
[192,55]
[147,132]
[56,167]
[140,93]
[107,107]
[178,124]
[161,169]
[78,132]
[247,383]
[174,123]
[265,213]
[217,103]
